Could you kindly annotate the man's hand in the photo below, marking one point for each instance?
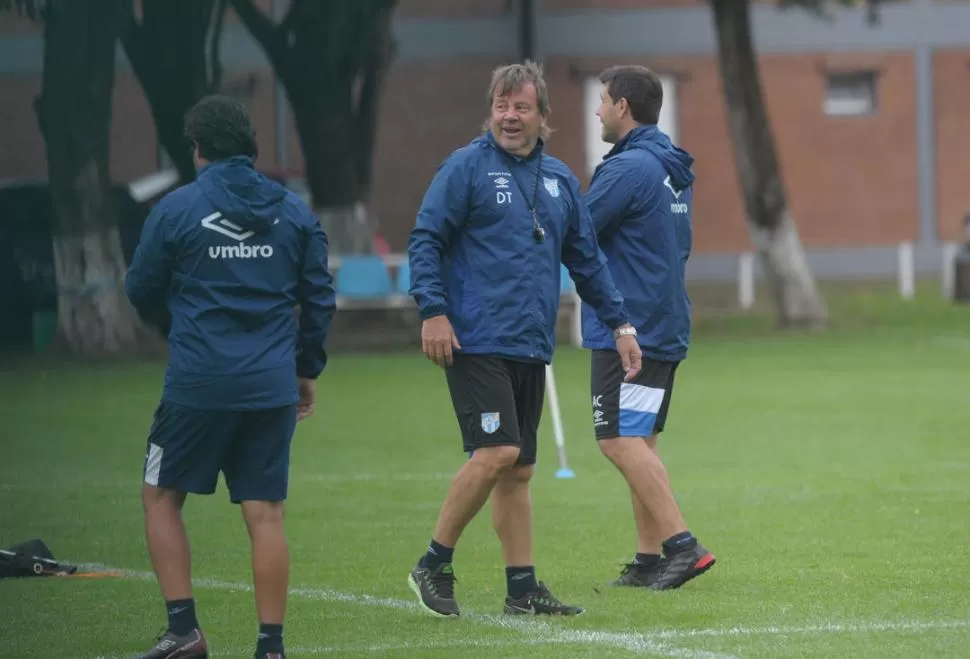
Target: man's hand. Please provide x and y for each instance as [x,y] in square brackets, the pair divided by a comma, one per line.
[308,398]
[438,339]
[629,351]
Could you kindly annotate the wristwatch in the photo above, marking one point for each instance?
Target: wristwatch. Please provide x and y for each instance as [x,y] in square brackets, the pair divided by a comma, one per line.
[629,330]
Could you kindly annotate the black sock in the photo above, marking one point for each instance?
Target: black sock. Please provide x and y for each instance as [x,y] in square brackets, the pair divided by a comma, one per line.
[521,581]
[181,616]
[437,555]
[646,560]
[270,639]
[681,542]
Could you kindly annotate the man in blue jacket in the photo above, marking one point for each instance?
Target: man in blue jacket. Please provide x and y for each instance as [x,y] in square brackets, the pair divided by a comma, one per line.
[497,221]
[640,201]
[230,257]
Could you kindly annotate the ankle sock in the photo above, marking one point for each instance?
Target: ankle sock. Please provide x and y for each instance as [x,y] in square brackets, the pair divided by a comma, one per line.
[646,560]
[181,616]
[437,555]
[270,639]
[681,542]
[521,581]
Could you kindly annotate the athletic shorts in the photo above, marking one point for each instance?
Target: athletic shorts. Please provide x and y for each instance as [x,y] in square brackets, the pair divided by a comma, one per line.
[498,402]
[188,447]
[629,409]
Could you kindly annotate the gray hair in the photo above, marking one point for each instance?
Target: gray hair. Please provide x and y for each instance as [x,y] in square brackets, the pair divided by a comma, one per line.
[512,77]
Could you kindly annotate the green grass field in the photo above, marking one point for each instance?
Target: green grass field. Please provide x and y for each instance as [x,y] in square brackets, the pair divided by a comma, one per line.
[829,473]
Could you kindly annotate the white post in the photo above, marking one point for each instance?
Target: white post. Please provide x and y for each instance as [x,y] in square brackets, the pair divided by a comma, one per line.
[907,277]
[564,470]
[577,326]
[948,275]
[746,280]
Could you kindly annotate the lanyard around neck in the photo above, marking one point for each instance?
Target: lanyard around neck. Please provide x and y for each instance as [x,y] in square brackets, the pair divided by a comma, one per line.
[533,206]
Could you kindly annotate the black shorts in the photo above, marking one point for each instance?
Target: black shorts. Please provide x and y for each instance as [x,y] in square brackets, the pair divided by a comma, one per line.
[629,409]
[188,447]
[498,402]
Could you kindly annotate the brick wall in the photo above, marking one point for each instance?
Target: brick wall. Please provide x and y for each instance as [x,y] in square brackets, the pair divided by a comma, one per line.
[851,180]
[952,84]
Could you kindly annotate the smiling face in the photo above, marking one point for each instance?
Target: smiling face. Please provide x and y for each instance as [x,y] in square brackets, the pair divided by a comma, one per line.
[516,122]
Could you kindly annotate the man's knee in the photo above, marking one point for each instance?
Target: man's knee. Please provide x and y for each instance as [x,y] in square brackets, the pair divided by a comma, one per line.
[518,474]
[621,449]
[152,495]
[262,513]
[496,459]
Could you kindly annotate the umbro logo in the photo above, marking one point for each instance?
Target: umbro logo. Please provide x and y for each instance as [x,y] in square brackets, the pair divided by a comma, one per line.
[670,186]
[678,207]
[216,222]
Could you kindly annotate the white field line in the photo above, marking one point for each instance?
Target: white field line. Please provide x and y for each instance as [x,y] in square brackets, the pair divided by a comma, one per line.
[391,647]
[538,631]
[824,628]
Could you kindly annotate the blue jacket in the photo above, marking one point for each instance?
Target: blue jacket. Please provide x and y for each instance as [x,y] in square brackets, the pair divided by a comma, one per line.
[231,255]
[474,256]
[640,200]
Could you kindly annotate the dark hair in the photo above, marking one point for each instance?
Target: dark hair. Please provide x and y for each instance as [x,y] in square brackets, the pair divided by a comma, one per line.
[221,127]
[641,88]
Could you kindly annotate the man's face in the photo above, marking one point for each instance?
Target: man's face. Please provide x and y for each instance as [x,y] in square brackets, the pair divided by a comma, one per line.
[516,122]
[609,113]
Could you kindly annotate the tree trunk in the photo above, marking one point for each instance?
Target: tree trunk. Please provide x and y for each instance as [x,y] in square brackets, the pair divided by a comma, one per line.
[351,226]
[331,59]
[792,285]
[167,51]
[74,112]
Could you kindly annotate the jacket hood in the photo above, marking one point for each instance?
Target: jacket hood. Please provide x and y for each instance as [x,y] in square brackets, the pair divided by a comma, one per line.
[243,195]
[675,160]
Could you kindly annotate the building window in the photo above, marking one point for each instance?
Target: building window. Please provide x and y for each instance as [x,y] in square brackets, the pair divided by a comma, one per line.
[851,94]
[596,148]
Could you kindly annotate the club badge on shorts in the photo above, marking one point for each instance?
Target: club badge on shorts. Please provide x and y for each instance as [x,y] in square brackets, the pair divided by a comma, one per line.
[490,422]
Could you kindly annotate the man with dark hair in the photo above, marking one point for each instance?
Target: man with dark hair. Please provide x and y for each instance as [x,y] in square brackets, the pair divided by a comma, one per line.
[640,200]
[496,222]
[231,256]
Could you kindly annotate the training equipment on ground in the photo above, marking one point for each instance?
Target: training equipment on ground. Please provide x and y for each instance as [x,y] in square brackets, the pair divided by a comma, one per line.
[564,471]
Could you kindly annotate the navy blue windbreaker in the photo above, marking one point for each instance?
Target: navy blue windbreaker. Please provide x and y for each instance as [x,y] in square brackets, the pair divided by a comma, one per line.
[640,199]
[229,257]
[474,257]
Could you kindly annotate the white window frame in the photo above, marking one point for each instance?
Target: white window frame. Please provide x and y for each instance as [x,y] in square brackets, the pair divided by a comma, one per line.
[595,147]
[850,94]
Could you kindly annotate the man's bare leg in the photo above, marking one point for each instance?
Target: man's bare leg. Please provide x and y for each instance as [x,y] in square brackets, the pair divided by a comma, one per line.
[512,520]
[659,517]
[168,549]
[433,579]
[647,477]
[271,569]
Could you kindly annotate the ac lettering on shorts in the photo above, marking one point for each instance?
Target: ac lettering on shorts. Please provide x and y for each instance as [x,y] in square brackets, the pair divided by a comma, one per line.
[598,413]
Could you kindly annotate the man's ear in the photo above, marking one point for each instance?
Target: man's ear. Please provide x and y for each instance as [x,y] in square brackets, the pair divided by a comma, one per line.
[624,106]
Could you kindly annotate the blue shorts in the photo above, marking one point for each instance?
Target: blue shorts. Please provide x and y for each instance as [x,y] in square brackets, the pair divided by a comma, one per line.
[188,447]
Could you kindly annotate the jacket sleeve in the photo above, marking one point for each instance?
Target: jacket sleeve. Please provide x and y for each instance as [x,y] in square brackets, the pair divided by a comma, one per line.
[587,265]
[318,302]
[442,211]
[611,194]
[150,272]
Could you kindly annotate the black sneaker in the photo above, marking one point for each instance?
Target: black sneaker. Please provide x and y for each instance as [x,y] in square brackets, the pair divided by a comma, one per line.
[640,576]
[435,589]
[171,646]
[682,567]
[540,602]
[269,655]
